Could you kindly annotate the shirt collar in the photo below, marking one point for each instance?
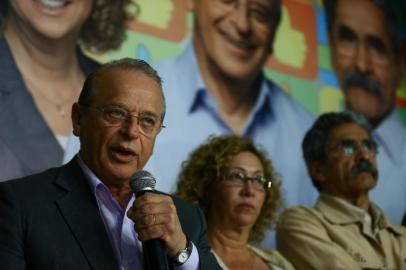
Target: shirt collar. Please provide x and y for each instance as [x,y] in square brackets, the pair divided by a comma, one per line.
[100,190]
[263,105]
[390,135]
[339,211]
[94,182]
[191,82]
[195,93]
[91,178]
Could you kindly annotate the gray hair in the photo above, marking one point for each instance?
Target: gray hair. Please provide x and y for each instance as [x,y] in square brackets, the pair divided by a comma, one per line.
[137,65]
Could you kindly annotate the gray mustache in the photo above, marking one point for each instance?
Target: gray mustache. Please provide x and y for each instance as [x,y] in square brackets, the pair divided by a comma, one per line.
[364,81]
[364,166]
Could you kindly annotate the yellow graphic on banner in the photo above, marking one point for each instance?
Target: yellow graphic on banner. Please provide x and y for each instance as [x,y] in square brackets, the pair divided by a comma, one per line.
[290,46]
[331,100]
[157,13]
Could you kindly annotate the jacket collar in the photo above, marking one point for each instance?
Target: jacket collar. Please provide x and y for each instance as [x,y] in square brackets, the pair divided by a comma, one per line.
[337,211]
[27,131]
[79,208]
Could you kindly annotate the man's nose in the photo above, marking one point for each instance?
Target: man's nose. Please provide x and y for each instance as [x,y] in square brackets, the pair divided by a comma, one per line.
[363,153]
[240,17]
[131,127]
[362,58]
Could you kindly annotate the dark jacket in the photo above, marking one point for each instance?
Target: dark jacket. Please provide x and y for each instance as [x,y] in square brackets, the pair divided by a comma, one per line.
[27,144]
[51,221]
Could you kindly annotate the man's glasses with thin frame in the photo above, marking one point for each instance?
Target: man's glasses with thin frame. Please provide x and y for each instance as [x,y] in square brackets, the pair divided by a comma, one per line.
[350,147]
[116,116]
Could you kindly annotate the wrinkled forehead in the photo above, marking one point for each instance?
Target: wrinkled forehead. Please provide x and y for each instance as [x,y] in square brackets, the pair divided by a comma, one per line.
[246,160]
[348,131]
[127,86]
[361,16]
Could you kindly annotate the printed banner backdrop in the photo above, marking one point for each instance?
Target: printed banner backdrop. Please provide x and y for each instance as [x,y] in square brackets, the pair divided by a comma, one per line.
[300,63]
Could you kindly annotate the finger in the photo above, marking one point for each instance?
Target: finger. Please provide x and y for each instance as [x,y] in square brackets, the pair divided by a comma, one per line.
[154,219]
[142,210]
[146,221]
[137,212]
[161,226]
[152,198]
[151,232]
[150,220]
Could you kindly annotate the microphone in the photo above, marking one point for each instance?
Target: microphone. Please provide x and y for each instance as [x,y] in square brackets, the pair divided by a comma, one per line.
[154,249]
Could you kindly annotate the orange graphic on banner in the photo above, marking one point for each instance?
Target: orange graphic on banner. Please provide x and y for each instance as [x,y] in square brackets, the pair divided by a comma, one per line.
[401,102]
[164,19]
[295,50]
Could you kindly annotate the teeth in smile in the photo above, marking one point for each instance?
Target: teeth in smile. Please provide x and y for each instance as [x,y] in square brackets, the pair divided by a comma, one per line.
[52,3]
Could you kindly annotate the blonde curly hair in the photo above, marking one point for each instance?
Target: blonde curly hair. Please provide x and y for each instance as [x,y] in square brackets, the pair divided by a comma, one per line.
[206,164]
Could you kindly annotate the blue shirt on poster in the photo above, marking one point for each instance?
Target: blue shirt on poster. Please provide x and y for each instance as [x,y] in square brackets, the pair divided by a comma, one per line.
[390,191]
[276,122]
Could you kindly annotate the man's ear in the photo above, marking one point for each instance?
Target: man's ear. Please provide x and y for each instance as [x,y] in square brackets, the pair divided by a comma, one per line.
[316,171]
[76,116]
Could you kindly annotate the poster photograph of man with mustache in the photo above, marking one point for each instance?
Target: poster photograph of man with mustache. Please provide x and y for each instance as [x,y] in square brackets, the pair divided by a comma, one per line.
[345,229]
[366,56]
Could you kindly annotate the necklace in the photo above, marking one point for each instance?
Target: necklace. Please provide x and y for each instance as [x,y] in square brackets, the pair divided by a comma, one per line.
[59,106]
[61,110]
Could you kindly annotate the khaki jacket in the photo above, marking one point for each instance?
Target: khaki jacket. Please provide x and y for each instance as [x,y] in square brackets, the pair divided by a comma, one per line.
[333,235]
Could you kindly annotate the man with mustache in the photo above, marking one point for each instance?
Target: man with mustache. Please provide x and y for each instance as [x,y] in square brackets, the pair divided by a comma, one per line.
[366,56]
[345,229]
[218,86]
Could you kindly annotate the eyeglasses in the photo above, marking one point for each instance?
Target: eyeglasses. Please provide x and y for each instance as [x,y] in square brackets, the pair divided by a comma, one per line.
[350,147]
[116,116]
[237,177]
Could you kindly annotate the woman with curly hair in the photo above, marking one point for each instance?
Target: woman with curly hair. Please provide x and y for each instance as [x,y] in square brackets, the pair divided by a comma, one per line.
[42,70]
[234,183]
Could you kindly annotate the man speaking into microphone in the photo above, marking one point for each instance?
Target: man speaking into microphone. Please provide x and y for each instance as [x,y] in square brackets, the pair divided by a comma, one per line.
[84,215]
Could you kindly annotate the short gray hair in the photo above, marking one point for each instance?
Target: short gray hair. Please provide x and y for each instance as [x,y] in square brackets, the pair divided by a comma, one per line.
[137,65]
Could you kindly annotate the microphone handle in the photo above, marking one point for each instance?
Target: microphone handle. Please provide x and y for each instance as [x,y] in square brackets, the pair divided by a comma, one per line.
[155,255]
[154,249]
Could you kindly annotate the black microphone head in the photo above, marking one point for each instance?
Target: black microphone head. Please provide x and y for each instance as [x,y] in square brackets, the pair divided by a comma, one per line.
[142,181]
